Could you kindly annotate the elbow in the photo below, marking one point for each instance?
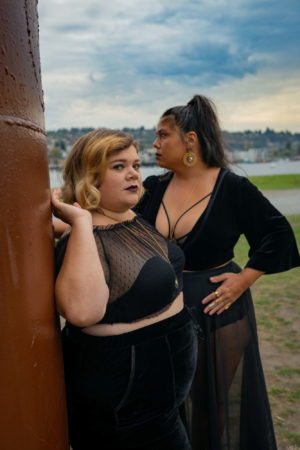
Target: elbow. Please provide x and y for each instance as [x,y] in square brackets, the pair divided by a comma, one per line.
[82,312]
[83,319]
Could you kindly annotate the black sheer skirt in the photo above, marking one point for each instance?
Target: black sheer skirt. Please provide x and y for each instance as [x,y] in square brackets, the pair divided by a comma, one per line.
[228,406]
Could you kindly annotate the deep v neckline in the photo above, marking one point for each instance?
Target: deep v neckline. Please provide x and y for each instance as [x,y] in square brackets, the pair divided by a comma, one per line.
[171,233]
[206,210]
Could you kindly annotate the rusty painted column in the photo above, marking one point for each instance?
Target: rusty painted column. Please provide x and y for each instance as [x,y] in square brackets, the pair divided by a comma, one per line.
[32,399]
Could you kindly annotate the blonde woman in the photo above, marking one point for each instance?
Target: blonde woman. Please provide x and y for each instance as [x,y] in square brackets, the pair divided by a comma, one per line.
[129,344]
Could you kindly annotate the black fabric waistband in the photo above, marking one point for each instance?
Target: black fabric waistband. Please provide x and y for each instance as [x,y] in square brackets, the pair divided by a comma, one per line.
[198,285]
[231,266]
[147,333]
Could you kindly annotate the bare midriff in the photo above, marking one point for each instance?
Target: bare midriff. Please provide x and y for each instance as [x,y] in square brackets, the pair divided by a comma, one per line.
[211,268]
[106,329]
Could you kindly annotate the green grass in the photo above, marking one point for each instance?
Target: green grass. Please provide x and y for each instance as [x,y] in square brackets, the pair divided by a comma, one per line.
[294,438]
[277,307]
[276,391]
[287,372]
[277,181]
[241,250]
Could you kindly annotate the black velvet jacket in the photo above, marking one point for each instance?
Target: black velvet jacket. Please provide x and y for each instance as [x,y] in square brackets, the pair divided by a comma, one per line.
[236,207]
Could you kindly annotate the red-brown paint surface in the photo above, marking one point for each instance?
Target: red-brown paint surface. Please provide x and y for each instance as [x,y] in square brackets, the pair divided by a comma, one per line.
[32,397]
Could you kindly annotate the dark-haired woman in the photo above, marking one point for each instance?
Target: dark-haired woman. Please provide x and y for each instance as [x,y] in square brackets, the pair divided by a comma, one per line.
[204,208]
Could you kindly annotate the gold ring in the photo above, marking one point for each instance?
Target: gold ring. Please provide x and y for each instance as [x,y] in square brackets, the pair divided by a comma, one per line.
[218,299]
[217,294]
[228,305]
[211,305]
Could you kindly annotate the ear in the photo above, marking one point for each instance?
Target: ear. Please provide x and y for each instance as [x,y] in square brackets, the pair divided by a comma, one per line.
[191,138]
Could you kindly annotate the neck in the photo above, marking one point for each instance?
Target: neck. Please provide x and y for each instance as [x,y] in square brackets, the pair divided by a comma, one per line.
[191,173]
[115,216]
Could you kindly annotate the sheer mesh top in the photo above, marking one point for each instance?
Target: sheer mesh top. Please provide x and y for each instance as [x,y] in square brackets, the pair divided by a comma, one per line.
[142,269]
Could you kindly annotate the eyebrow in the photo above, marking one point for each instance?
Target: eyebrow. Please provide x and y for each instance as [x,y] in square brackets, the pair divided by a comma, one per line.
[122,160]
[160,130]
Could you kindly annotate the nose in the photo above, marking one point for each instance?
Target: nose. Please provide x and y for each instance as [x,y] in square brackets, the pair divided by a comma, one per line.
[133,173]
[156,143]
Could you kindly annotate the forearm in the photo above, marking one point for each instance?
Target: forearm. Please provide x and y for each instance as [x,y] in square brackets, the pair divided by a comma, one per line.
[249,276]
[81,291]
[59,227]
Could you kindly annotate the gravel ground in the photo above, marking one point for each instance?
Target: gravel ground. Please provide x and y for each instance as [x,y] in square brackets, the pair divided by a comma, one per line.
[287,201]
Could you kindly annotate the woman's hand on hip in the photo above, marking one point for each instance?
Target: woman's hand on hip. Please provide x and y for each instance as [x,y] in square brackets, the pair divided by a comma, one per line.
[232,287]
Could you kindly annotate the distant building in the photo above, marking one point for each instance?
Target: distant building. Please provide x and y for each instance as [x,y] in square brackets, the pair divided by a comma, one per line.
[148,156]
[251,155]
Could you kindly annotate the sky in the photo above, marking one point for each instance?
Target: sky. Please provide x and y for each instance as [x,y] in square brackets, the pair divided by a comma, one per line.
[122,63]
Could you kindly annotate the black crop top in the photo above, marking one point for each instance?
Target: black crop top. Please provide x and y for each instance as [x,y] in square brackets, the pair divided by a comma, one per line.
[236,207]
[141,282]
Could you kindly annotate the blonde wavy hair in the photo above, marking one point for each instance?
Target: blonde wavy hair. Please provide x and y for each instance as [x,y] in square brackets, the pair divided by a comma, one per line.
[86,164]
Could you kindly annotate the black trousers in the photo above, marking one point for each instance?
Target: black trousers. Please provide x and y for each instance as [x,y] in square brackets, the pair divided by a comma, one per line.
[123,392]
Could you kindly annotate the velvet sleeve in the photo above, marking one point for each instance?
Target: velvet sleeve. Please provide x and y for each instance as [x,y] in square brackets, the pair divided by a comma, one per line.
[272,242]
[149,184]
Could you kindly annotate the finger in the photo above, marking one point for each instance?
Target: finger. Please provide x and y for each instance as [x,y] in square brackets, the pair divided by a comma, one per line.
[210,297]
[54,191]
[225,307]
[217,301]
[214,295]
[56,212]
[57,192]
[215,307]
[210,307]
[77,205]
[219,278]
[55,205]
[55,196]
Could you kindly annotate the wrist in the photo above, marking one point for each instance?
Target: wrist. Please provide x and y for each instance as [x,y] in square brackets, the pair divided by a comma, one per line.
[82,222]
[249,276]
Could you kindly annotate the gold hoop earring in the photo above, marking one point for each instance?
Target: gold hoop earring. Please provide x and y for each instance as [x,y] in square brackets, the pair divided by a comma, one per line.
[189,159]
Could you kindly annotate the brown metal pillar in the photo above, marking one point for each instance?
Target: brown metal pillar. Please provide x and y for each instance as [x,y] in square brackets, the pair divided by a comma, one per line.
[32,399]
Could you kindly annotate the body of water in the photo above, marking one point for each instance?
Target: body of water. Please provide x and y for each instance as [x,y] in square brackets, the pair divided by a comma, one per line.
[280,167]
[245,169]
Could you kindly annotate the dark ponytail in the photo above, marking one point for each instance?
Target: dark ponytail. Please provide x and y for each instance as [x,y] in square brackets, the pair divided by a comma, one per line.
[199,116]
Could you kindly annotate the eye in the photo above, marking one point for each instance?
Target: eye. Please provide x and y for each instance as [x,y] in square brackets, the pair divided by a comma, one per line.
[118,166]
[137,166]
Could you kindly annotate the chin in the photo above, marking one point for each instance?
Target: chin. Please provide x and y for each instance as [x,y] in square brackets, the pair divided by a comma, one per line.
[133,203]
[164,165]
[160,163]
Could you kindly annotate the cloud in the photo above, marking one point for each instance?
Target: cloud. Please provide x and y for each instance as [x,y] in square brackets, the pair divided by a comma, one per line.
[260,101]
[121,63]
